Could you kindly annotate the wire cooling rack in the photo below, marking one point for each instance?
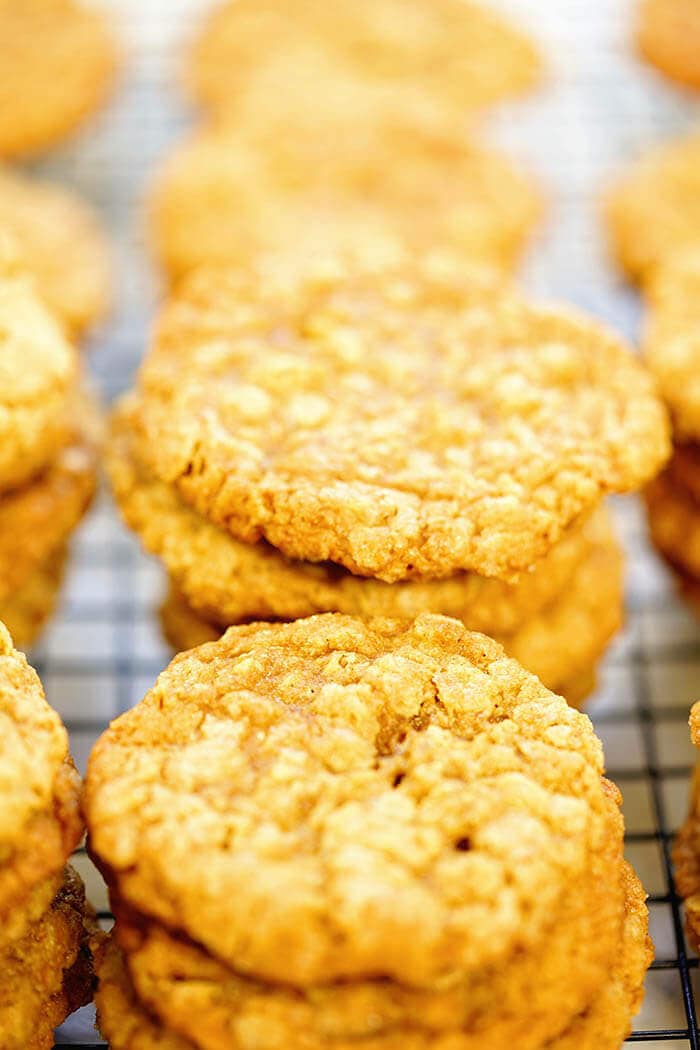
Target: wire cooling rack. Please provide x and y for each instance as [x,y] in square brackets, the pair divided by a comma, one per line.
[600,108]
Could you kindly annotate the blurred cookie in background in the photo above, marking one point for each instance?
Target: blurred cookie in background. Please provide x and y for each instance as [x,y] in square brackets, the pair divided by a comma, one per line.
[58,60]
[365,190]
[58,238]
[653,210]
[668,36]
[462,54]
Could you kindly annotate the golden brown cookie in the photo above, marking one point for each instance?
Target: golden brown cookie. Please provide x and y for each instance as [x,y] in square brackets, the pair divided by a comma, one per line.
[57,62]
[671,339]
[603,1026]
[653,211]
[282,412]
[227,581]
[38,369]
[61,244]
[560,643]
[461,54]
[40,822]
[668,35]
[27,611]
[355,736]
[674,523]
[37,519]
[686,852]
[227,195]
[48,973]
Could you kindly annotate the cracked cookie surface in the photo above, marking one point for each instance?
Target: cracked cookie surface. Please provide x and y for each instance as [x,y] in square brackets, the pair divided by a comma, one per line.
[282,413]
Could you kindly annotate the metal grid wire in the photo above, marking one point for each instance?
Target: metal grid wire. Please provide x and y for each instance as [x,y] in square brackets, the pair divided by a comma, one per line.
[600,108]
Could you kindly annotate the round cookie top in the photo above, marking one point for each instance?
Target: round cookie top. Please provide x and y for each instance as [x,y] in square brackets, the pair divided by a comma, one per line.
[672,338]
[33,746]
[668,35]
[368,790]
[458,52]
[38,368]
[408,422]
[60,243]
[654,210]
[228,194]
[57,62]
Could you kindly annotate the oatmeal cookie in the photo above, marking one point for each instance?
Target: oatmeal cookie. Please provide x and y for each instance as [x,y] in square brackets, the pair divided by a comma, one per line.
[38,369]
[282,412]
[40,822]
[61,244]
[27,611]
[671,339]
[460,53]
[402,769]
[668,35]
[654,210]
[37,519]
[686,853]
[48,973]
[226,195]
[227,581]
[57,62]
[674,523]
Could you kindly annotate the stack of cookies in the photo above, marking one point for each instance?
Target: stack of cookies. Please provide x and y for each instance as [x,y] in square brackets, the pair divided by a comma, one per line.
[341,128]
[654,216]
[421,831]
[412,439]
[48,452]
[45,924]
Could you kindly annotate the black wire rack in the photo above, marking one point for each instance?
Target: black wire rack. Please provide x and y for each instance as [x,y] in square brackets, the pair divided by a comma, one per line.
[104,649]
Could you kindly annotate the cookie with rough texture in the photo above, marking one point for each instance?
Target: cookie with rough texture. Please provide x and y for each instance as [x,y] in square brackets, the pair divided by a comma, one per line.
[57,63]
[671,339]
[60,242]
[125,1021]
[228,194]
[674,523]
[48,973]
[38,369]
[40,822]
[390,776]
[227,581]
[686,852]
[653,211]
[560,643]
[461,54]
[668,35]
[37,519]
[30,607]
[412,422]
